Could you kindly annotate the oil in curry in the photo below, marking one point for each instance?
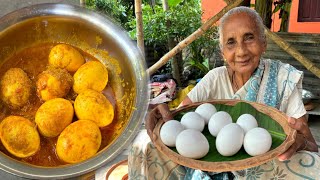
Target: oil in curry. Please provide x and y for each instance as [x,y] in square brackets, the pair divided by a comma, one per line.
[34,61]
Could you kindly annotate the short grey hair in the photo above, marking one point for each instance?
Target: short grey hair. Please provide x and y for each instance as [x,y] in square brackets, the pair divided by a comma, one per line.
[250,12]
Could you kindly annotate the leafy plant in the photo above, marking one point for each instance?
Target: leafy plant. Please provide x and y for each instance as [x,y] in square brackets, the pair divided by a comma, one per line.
[284,7]
[121,11]
[154,28]
[280,5]
[90,4]
[173,3]
[185,18]
[197,59]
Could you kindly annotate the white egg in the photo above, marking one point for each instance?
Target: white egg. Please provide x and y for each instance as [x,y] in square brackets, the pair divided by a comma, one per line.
[247,122]
[257,141]
[229,140]
[192,120]
[192,144]
[218,121]
[169,132]
[206,110]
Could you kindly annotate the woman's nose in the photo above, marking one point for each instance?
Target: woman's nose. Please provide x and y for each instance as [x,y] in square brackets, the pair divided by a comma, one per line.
[241,49]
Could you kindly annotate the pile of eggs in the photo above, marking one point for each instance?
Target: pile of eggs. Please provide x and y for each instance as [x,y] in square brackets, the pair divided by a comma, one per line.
[186,135]
[73,107]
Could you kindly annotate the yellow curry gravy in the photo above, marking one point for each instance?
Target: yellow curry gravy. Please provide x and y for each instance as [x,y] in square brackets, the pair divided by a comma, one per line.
[33,61]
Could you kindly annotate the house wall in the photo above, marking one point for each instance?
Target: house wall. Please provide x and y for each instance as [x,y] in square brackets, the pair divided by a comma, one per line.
[212,7]
[301,27]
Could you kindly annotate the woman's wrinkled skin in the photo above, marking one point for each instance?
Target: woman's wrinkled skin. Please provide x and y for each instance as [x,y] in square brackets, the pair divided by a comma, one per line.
[241,47]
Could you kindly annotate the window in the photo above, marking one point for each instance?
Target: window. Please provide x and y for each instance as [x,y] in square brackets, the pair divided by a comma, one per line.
[309,11]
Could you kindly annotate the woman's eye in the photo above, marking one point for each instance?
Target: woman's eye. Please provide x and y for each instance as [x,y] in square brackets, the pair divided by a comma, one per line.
[230,42]
[249,37]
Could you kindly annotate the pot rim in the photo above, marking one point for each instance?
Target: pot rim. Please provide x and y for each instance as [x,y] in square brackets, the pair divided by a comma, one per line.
[16,167]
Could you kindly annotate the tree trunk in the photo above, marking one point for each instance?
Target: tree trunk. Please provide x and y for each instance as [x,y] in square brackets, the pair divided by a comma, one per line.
[264,8]
[140,38]
[285,17]
[165,5]
[171,43]
[83,3]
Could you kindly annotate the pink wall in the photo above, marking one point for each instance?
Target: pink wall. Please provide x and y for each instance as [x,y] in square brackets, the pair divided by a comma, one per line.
[301,27]
[212,7]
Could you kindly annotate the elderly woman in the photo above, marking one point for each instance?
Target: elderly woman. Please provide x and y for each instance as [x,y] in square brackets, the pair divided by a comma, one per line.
[247,77]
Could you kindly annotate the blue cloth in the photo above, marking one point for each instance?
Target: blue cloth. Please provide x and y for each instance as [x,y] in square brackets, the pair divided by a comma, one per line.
[271,96]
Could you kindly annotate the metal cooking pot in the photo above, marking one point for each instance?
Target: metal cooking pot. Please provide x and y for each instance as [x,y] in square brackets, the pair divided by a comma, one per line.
[94,34]
[308,96]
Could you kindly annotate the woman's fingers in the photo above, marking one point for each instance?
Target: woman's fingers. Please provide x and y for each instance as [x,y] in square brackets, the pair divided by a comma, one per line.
[165,112]
[296,146]
[300,126]
[307,141]
[151,122]
[288,154]
[160,111]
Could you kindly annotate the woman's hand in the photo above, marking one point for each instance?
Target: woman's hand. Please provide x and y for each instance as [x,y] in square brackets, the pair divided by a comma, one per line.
[304,139]
[160,111]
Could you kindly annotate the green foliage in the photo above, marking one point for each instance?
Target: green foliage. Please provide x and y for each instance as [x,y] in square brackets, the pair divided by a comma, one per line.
[121,11]
[173,3]
[280,5]
[203,67]
[284,7]
[183,18]
[154,27]
[197,60]
[90,4]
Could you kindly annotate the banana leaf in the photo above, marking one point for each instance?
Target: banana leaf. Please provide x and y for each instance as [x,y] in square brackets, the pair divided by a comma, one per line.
[264,121]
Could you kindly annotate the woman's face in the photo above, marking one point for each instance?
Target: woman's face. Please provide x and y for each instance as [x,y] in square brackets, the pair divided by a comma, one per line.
[241,45]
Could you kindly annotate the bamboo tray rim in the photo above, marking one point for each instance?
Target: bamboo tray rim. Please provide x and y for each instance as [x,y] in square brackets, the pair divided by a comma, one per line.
[223,166]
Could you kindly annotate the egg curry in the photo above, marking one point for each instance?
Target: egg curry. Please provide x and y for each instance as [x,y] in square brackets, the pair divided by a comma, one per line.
[56,105]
